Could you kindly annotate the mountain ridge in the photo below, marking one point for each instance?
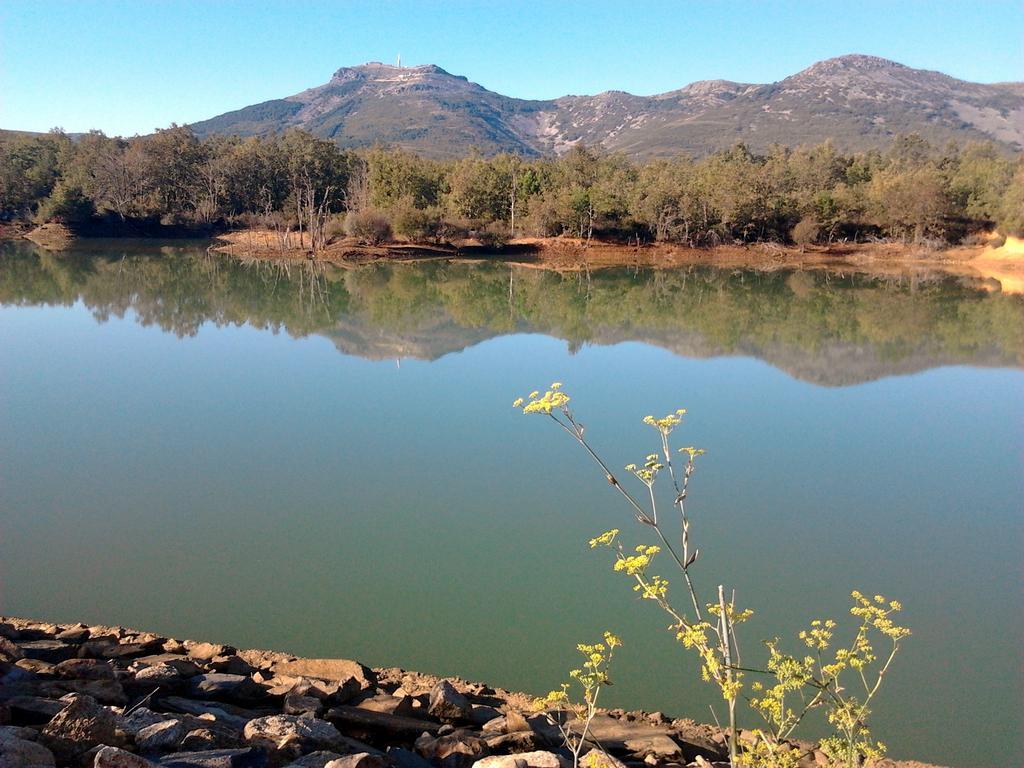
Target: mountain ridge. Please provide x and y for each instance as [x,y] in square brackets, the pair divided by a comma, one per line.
[859,101]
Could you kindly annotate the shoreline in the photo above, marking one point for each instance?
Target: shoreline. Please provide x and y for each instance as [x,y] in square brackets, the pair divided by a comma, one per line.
[112,697]
[1004,266]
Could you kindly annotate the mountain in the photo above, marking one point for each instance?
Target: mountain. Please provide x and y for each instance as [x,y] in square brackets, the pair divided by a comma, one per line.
[858,101]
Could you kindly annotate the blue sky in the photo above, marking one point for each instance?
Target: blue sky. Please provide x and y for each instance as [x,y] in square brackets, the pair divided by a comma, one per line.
[130,67]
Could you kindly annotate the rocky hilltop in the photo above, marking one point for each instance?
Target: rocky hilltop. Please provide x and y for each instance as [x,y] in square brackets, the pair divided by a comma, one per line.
[859,101]
[111,697]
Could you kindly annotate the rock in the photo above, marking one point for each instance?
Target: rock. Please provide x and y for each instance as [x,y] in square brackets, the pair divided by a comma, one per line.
[138,719]
[636,738]
[76,634]
[160,737]
[233,665]
[447,703]
[367,718]
[538,759]
[32,710]
[216,758]
[314,760]
[403,758]
[213,736]
[104,691]
[208,651]
[52,651]
[79,727]
[15,732]
[292,735]
[36,666]
[520,741]
[234,717]
[454,750]
[112,757]
[219,685]
[9,650]
[129,650]
[359,760]
[353,676]
[85,669]
[159,674]
[264,660]
[16,752]
[515,722]
[296,704]
[184,666]
[482,714]
[404,706]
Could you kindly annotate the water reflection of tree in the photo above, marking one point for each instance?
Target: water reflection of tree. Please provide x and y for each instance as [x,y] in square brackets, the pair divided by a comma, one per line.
[445,306]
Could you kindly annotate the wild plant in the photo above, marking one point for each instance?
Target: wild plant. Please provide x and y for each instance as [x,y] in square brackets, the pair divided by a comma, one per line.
[591,677]
[709,628]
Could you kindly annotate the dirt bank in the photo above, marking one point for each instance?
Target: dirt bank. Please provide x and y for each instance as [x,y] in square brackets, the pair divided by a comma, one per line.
[1003,267]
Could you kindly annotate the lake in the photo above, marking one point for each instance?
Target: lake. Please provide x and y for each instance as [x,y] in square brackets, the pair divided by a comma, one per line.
[326,461]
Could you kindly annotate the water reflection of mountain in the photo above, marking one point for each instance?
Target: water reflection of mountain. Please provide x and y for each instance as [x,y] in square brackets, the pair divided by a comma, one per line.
[817,327]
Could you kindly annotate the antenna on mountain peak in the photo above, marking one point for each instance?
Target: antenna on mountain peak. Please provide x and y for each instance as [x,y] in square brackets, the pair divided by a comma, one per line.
[398,61]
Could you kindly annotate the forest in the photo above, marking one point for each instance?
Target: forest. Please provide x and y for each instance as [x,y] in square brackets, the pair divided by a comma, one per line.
[173,182]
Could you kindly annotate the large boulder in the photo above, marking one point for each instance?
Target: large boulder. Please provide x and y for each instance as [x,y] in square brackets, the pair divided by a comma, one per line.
[352,675]
[80,726]
[17,752]
[446,703]
[113,757]
[216,758]
[291,735]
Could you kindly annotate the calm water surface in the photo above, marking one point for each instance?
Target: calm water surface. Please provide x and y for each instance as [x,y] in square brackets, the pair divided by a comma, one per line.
[325,461]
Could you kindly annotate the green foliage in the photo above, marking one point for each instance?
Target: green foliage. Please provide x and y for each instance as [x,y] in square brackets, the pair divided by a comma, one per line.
[787,687]
[370,226]
[914,191]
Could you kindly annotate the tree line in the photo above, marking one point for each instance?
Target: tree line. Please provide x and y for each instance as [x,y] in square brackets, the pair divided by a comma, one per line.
[298,183]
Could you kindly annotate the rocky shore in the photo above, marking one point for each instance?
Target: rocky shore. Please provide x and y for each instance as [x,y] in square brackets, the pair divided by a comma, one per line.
[111,697]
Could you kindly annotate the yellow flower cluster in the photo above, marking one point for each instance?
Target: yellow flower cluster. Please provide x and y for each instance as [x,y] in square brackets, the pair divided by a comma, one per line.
[605,538]
[666,424]
[551,400]
[876,613]
[819,635]
[649,471]
[635,565]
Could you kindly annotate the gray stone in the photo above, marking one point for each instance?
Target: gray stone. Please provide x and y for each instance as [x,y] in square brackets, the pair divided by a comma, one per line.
[292,735]
[52,651]
[447,703]
[216,758]
[482,714]
[403,758]
[112,757]
[159,674]
[359,760]
[296,704]
[17,751]
[85,669]
[211,736]
[314,760]
[219,685]
[32,710]
[104,691]
[138,719]
[160,737]
[225,714]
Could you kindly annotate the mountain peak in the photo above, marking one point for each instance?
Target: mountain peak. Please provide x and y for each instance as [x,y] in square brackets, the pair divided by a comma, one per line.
[853,62]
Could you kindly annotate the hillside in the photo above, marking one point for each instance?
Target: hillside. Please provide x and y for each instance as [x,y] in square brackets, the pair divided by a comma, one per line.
[859,101]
